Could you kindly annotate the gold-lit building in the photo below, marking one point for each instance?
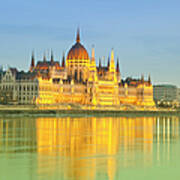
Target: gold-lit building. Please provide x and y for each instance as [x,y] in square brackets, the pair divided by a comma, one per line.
[80,81]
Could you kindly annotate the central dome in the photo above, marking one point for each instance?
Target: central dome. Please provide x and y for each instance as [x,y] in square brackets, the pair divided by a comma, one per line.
[77,51]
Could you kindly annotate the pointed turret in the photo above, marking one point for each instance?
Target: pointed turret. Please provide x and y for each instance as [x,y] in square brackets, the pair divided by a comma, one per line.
[93,73]
[93,61]
[44,57]
[149,79]
[117,66]
[99,62]
[112,70]
[32,62]
[63,60]
[112,54]
[112,66]
[78,36]
[52,57]
[93,54]
[118,71]
[108,64]
[142,78]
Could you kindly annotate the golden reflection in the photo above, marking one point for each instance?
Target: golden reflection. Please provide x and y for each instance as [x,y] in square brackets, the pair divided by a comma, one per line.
[90,147]
[91,141]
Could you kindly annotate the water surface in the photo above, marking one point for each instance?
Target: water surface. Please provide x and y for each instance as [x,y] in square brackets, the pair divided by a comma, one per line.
[89,148]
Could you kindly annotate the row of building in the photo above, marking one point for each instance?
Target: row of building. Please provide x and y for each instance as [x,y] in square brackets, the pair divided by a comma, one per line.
[77,80]
[166,95]
[22,88]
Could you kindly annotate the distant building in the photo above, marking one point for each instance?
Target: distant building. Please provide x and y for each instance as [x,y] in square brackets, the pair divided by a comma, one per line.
[166,94]
[178,94]
[18,87]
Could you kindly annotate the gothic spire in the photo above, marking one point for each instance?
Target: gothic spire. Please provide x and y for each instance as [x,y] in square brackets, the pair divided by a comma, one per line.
[112,54]
[117,66]
[112,65]
[99,62]
[78,36]
[32,60]
[93,61]
[44,57]
[52,57]
[142,78]
[149,79]
[93,53]
[63,60]
[108,62]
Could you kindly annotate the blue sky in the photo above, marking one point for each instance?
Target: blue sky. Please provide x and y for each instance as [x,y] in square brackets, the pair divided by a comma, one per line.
[145,34]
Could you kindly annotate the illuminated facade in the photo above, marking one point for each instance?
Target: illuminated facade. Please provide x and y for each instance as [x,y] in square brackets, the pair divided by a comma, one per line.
[79,82]
[85,83]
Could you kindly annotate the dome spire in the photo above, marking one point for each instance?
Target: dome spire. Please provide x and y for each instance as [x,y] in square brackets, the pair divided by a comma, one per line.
[78,36]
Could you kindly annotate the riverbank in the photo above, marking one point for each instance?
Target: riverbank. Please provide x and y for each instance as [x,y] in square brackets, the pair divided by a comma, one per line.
[35,111]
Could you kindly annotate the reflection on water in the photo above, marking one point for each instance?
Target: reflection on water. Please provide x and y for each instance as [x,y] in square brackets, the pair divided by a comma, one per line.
[85,148]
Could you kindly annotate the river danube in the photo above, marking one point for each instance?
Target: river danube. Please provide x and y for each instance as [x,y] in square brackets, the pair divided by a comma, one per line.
[80,148]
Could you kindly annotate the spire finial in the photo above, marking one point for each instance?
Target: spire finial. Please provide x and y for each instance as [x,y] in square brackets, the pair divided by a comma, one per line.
[112,67]
[149,79]
[112,54]
[117,66]
[142,78]
[32,62]
[93,53]
[108,62]
[52,57]
[32,59]
[63,60]
[44,57]
[99,62]
[78,36]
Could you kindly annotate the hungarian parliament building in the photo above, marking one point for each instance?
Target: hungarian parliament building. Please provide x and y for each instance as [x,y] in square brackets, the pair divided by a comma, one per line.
[76,81]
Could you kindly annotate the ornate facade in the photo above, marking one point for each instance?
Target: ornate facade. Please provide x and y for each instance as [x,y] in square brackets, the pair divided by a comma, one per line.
[84,83]
[78,81]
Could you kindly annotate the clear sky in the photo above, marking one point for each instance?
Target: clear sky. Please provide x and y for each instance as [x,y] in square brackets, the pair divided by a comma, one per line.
[145,34]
